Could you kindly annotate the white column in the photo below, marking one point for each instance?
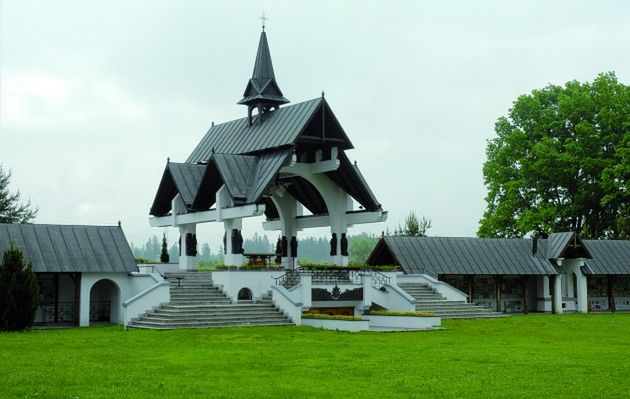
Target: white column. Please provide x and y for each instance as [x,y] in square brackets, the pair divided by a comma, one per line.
[288,209]
[543,296]
[186,262]
[557,294]
[84,302]
[569,283]
[366,281]
[582,288]
[229,258]
[306,282]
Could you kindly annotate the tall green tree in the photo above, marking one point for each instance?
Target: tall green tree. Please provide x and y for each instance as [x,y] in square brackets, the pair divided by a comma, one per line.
[414,226]
[12,209]
[560,161]
[360,246]
[164,256]
[19,292]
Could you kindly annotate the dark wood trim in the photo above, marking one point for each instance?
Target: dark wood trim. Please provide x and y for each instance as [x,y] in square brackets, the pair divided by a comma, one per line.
[56,295]
[77,298]
[525,294]
[471,281]
[612,306]
[497,291]
[552,289]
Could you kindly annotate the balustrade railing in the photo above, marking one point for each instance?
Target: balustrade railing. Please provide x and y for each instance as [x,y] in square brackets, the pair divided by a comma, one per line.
[331,276]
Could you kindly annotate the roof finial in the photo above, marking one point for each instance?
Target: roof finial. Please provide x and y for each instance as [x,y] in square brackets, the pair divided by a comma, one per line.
[323,94]
[263,19]
[119,224]
[168,159]
[212,123]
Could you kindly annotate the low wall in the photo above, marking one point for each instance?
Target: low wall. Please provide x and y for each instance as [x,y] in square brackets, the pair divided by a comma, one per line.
[230,282]
[339,325]
[401,323]
[288,301]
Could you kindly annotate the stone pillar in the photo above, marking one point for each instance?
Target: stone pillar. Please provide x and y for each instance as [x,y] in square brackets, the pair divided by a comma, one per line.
[188,256]
[84,301]
[543,295]
[557,294]
[306,281]
[582,291]
[366,282]
[569,284]
[233,256]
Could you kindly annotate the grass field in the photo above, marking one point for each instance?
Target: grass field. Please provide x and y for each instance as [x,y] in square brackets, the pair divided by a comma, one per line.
[535,356]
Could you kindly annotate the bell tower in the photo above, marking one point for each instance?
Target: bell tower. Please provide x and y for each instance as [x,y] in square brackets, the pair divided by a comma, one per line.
[262,91]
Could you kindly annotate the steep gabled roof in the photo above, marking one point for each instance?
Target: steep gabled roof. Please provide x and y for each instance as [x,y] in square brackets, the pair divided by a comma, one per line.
[608,256]
[70,249]
[467,255]
[245,176]
[281,127]
[557,243]
[262,87]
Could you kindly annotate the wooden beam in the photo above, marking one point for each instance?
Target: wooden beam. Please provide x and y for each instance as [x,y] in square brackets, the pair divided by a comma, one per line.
[552,291]
[497,291]
[525,294]
[235,212]
[471,280]
[314,221]
[612,306]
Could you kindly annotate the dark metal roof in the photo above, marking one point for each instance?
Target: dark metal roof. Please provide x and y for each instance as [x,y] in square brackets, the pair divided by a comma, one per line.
[246,177]
[187,179]
[280,127]
[262,87]
[608,256]
[349,177]
[61,248]
[557,243]
[441,255]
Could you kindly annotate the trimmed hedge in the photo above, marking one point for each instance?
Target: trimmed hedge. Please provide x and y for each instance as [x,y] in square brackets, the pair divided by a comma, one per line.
[389,313]
[330,317]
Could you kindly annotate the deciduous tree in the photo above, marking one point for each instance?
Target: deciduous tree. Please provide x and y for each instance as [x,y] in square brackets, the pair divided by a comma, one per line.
[561,162]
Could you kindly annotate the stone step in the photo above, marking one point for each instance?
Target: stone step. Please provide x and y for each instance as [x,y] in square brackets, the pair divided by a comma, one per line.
[210,306]
[204,319]
[270,312]
[172,327]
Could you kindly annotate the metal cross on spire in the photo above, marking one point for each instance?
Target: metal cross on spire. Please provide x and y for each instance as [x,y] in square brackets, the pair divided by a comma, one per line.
[263,19]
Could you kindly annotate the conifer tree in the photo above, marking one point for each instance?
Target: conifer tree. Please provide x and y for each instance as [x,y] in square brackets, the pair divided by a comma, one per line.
[19,293]
[164,256]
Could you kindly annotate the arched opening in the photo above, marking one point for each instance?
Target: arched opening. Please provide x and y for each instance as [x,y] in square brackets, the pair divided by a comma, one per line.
[244,294]
[104,302]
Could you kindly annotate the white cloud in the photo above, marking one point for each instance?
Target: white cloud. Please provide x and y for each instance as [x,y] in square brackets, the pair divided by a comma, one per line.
[39,100]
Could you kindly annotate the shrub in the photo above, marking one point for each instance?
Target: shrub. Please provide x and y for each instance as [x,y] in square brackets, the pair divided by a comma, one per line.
[352,266]
[19,293]
[329,316]
[390,313]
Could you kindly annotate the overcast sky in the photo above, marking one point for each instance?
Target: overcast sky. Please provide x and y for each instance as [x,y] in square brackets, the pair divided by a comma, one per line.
[96,95]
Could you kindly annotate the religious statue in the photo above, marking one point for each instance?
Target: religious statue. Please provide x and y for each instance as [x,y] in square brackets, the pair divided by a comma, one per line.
[234,241]
[344,245]
[294,245]
[240,243]
[191,244]
[279,251]
[285,245]
[224,242]
[333,245]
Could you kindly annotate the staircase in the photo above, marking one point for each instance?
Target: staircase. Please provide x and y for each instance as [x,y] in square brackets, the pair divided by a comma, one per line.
[196,303]
[429,300]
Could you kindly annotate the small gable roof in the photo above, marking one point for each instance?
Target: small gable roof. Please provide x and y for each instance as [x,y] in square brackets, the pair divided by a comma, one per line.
[245,176]
[70,248]
[608,256]
[464,255]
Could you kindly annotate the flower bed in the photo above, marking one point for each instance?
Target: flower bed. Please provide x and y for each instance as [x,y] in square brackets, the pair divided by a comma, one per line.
[390,313]
[339,323]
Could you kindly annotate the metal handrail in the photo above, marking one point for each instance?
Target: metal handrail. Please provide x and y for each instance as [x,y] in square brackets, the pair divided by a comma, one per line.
[379,280]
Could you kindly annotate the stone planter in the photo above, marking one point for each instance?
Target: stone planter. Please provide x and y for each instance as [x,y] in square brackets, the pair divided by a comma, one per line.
[340,325]
[402,323]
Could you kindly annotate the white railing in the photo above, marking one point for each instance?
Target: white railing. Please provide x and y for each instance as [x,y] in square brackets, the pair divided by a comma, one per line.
[146,300]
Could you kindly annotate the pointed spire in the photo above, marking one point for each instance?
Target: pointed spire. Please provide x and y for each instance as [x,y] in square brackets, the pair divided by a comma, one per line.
[262,91]
[263,68]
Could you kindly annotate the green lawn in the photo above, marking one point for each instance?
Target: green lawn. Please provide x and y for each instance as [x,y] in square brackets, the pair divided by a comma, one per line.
[535,356]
